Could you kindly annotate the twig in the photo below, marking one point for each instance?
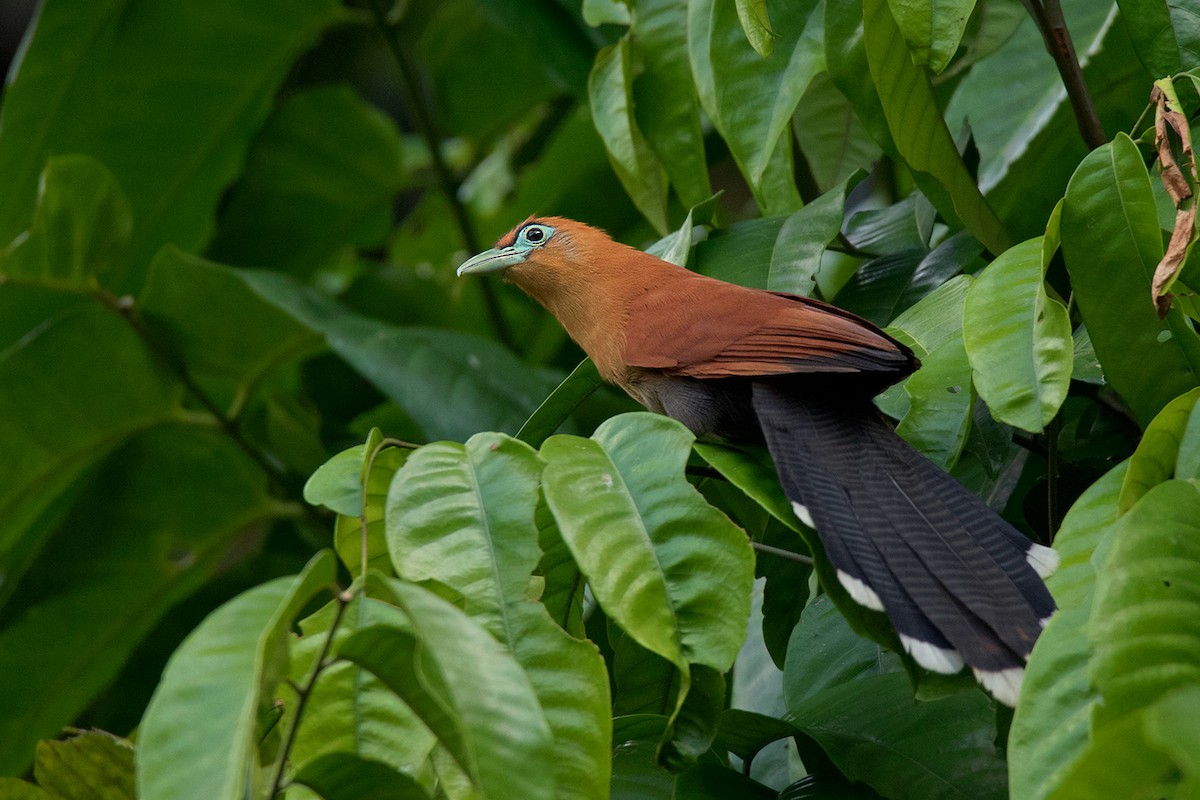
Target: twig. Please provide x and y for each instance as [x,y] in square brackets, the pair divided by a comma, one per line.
[779,551]
[305,691]
[427,128]
[1048,16]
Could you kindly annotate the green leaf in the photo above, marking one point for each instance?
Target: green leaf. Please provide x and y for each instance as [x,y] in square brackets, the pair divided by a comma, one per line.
[1143,622]
[348,531]
[80,384]
[350,711]
[338,483]
[932,30]
[665,102]
[198,738]
[803,238]
[155,522]
[857,703]
[610,92]
[671,570]
[1159,451]
[345,776]
[467,688]
[1166,35]
[93,765]
[728,72]
[71,93]
[320,177]
[80,230]
[452,384]
[1086,366]
[751,471]
[561,403]
[605,12]
[1051,726]
[833,138]
[1111,243]
[1018,339]
[562,593]
[756,22]
[463,516]
[919,131]
[16,789]
[215,324]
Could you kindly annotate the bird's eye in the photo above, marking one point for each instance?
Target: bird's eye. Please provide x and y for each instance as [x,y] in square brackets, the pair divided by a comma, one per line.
[536,234]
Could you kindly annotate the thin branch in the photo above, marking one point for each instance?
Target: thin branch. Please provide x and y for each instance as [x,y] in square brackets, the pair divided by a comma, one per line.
[427,128]
[1048,16]
[779,551]
[305,691]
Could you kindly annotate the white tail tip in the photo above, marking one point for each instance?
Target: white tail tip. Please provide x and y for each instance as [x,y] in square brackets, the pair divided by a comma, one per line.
[861,593]
[931,657]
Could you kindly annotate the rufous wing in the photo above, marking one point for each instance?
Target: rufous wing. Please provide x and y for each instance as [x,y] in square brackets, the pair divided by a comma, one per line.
[704,328]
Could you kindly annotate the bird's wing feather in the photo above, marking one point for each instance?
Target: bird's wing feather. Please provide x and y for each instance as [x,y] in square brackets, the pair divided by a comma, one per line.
[703,328]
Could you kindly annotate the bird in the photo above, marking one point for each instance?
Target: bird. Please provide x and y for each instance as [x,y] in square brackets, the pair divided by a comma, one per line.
[960,586]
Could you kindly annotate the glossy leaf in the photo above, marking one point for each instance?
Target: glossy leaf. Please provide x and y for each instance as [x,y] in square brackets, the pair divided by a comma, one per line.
[554,410]
[90,765]
[155,523]
[1111,243]
[320,177]
[665,103]
[610,92]
[1159,451]
[466,688]
[803,238]
[751,471]
[1165,34]
[198,738]
[1051,725]
[80,383]
[858,704]
[750,99]
[920,133]
[1018,339]
[80,230]
[756,22]
[72,94]
[451,384]
[669,569]
[344,776]
[932,30]
[1143,623]
[464,516]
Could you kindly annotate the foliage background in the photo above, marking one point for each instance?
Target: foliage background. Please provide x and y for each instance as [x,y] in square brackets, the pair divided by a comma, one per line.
[227,240]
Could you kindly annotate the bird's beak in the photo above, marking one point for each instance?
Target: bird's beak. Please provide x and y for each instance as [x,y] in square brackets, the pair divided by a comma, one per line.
[495,260]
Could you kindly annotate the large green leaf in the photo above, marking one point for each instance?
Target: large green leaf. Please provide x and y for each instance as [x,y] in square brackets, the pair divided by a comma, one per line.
[932,29]
[106,80]
[344,776]
[1160,450]
[79,383]
[918,130]
[464,516]
[80,230]
[665,101]
[351,712]
[750,99]
[1165,34]
[155,522]
[92,765]
[610,91]
[320,177]
[857,703]
[827,128]
[1051,726]
[554,410]
[1144,620]
[1112,243]
[216,325]
[671,570]
[1018,339]
[199,736]
[466,688]
[452,384]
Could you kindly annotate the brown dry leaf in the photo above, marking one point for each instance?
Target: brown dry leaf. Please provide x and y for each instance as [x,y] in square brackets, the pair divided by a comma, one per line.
[1167,269]
[1165,119]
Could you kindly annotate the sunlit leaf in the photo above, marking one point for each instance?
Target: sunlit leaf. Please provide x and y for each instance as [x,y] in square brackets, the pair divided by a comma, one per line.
[932,30]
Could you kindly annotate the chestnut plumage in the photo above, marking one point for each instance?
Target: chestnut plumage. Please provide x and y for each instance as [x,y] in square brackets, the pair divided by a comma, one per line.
[959,584]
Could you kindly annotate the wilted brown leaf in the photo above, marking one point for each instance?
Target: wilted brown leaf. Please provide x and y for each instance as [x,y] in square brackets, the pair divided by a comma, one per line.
[1168,269]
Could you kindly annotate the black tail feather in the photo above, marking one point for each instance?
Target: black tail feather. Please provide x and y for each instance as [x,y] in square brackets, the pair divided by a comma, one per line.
[950,574]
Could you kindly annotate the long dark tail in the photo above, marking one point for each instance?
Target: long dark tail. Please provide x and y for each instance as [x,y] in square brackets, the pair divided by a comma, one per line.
[958,583]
